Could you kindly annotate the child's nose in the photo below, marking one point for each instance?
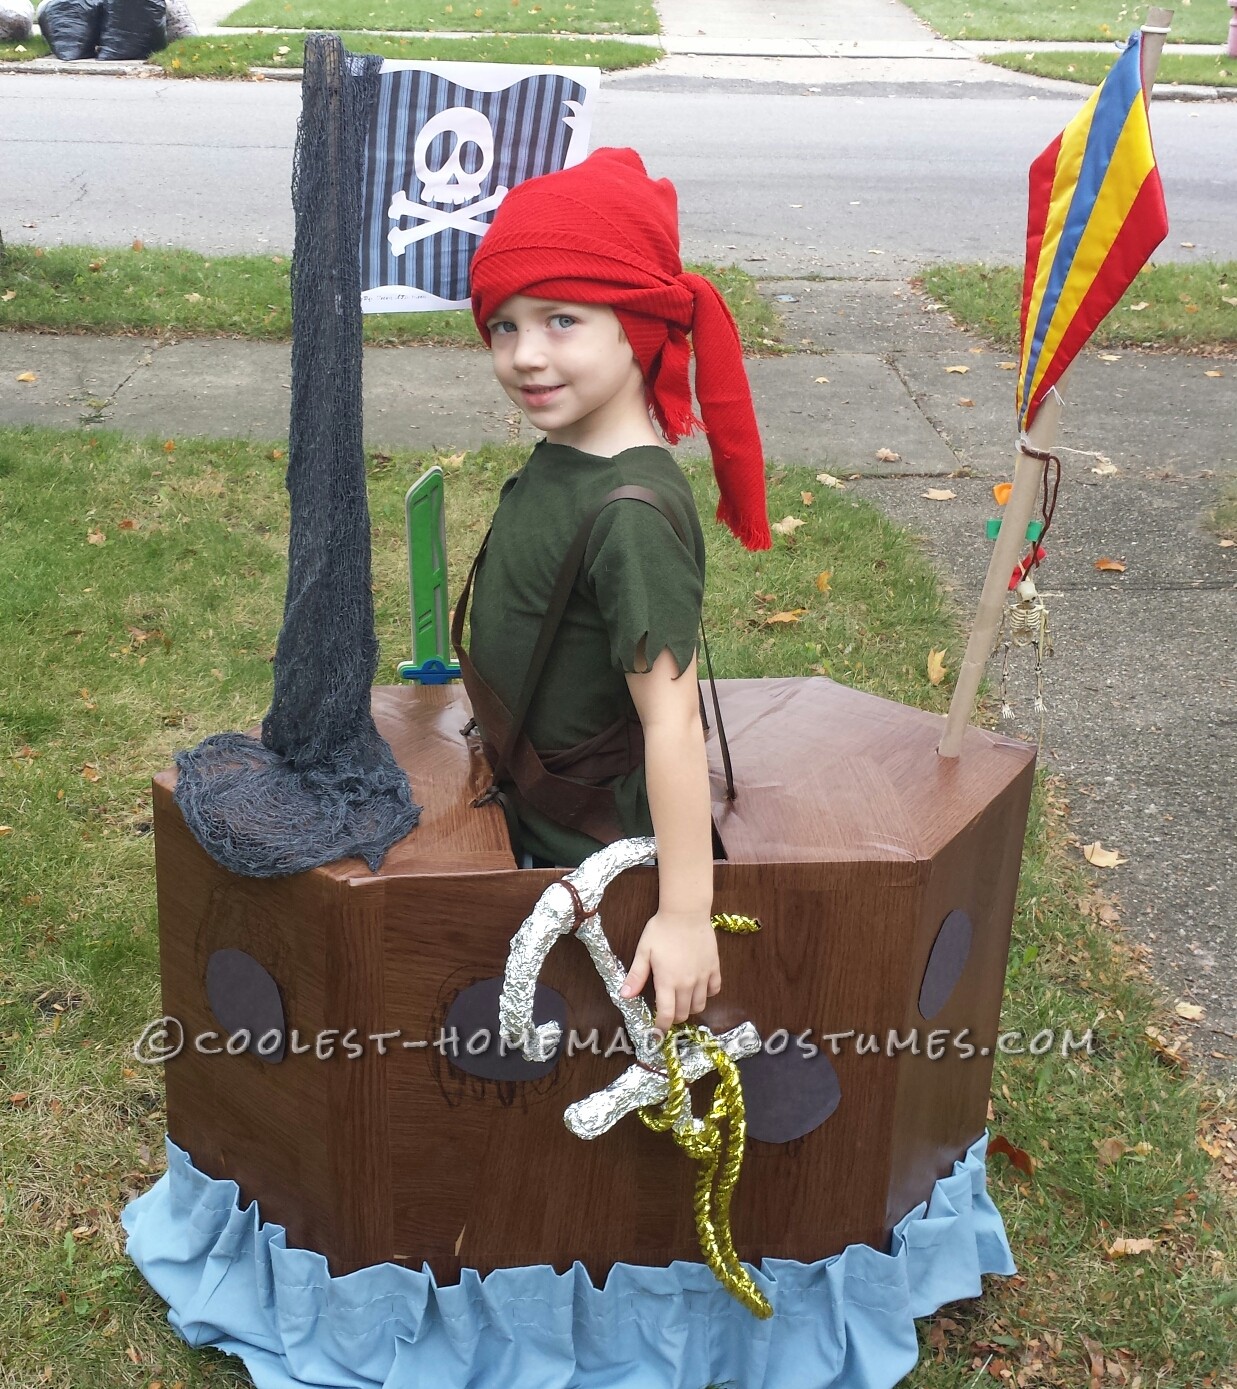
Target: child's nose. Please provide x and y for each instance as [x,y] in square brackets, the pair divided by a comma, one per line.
[529,350]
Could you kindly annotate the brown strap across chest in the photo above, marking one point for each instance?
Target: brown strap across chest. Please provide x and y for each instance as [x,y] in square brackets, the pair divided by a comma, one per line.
[557,783]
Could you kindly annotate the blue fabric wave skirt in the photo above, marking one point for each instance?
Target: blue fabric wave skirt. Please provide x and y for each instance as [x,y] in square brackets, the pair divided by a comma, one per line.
[846,1322]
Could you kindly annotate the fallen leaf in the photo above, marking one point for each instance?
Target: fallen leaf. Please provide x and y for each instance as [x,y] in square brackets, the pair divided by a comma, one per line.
[957,371]
[1189,245]
[787,526]
[20,1100]
[28,376]
[824,579]
[1105,468]
[964,400]
[1110,566]
[830,481]
[96,538]
[792,616]
[8,294]
[1008,366]
[1122,1248]
[139,245]
[1227,544]
[1021,1159]
[1188,1010]
[1165,1047]
[275,455]
[169,446]
[822,380]
[1227,300]
[1109,1150]
[1213,373]
[96,265]
[1001,491]
[1139,307]
[936,666]
[887,456]
[5,830]
[1100,857]
[939,494]
[808,498]
[90,772]
[128,524]
[1110,356]
[193,298]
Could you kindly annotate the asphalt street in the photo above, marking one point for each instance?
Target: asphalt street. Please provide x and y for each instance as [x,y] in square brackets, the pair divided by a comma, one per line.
[856,181]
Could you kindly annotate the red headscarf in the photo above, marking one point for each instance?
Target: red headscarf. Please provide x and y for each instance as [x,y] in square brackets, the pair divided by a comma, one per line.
[603,232]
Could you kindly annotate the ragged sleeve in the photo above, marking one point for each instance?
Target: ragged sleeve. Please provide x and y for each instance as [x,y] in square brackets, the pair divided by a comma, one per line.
[646,582]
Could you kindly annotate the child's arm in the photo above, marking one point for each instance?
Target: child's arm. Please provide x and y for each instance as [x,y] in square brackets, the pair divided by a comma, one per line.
[678,945]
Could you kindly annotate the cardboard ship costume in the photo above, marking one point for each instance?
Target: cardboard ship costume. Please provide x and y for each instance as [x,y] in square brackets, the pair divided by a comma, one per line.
[404,1140]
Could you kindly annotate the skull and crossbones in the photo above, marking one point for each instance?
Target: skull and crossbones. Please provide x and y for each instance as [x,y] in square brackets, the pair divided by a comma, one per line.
[450,185]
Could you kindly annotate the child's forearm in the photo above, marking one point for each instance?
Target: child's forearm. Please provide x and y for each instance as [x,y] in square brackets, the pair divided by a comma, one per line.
[677,776]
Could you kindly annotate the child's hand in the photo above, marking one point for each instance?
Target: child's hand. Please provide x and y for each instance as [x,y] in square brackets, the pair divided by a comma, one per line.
[681,953]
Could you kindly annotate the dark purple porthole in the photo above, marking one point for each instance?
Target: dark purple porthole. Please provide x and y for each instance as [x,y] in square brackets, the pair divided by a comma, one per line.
[947,960]
[787,1092]
[245,999]
[471,1029]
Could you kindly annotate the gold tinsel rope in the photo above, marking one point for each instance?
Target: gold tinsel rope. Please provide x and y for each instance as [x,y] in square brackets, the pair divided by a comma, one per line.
[705,1144]
[736,925]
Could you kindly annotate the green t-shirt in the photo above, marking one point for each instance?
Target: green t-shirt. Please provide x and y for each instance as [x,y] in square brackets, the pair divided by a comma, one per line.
[638,580]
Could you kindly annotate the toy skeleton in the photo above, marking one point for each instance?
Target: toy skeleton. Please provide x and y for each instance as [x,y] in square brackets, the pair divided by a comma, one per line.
[1024,623]
[572,904]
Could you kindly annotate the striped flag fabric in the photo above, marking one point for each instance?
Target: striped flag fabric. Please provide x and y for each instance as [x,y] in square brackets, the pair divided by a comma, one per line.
[1095,215]
[447,142]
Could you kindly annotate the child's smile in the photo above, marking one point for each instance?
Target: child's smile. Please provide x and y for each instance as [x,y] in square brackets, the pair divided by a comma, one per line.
[570,368]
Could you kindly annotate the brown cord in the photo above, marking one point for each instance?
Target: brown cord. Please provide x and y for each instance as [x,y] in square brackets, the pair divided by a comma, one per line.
[582,915]
[1048,503]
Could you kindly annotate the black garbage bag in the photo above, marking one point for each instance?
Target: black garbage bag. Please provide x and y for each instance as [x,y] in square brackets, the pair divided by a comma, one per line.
[71,27]
[132,29]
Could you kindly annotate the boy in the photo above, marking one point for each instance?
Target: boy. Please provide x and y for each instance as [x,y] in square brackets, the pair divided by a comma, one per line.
[579,292]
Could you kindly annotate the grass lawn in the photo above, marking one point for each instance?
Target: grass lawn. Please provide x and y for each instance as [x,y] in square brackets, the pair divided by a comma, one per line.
[1202,21]
[215,55]
[143,585]
[1192,69]
[76,289]
[1224,517]
[1183,306]
[482,16]
[33,47]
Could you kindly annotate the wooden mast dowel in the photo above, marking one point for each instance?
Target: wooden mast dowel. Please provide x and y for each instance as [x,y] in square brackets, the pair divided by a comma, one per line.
[1006,553]
[1027,472]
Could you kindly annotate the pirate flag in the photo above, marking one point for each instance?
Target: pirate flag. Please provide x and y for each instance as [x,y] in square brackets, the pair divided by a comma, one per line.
[447,142]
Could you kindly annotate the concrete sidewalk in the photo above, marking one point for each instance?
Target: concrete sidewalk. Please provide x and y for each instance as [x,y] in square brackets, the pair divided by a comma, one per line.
[1141,695]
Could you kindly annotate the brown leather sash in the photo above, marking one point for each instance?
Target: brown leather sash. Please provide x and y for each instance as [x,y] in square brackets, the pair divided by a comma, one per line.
[558,783]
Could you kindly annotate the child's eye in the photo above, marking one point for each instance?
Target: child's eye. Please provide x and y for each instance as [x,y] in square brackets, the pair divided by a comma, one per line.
[502,327]
[563,320]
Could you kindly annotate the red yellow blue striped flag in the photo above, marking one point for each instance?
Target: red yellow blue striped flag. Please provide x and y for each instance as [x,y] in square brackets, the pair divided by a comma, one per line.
[1096,213]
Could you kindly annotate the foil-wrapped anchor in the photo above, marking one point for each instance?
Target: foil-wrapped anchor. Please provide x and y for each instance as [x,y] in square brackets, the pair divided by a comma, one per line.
[573,903]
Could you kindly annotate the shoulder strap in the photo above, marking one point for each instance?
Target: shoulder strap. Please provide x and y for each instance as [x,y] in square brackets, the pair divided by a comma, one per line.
[556,606]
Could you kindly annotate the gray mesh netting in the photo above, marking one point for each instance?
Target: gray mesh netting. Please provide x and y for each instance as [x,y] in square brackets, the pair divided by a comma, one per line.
[322,784]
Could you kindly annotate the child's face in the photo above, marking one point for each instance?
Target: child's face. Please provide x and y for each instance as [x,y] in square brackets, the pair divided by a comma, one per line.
[569,367]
